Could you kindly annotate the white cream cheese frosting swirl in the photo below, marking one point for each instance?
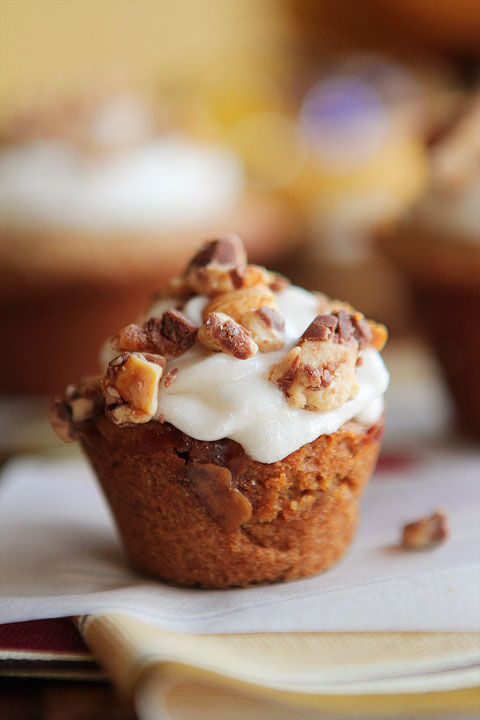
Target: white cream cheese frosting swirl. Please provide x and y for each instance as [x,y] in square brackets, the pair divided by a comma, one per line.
[217,396]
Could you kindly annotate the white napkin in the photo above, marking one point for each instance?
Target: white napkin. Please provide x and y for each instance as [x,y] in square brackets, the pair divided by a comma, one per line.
[60,556]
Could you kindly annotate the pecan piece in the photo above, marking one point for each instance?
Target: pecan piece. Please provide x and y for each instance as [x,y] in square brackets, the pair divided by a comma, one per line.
[239,302]
[278,282]
[220,267]
[78,404]
[266,327]
[379,334]
[170,335]
[228,250]
[221,333]
[132,338]
[426,533]
[216,280]
[131,386]
[61,420]
[319,372]
[170,377]
[367,332]
[177,328]
[212,484]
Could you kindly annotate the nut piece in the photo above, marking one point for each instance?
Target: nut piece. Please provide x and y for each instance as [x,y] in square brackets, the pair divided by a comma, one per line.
[426,533]
[369,332]
[170,377]
[176,287]
[238,303]
[177,328]
[61,420]
[77,405]
[170,336]
[379,335]
[224,251]
[266,327]
[317,376]
[220,267]
[212,485]
[131,385]
[222,334]
[278,282]
[319,372]
[215,280]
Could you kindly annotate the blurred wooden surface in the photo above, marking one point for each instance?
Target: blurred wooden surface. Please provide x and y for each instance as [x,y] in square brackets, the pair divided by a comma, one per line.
[27,699]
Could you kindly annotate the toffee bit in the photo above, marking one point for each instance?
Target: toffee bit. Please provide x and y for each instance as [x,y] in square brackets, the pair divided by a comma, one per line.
[426,533]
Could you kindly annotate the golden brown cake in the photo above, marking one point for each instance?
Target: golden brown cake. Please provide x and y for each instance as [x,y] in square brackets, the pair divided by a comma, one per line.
[236,425]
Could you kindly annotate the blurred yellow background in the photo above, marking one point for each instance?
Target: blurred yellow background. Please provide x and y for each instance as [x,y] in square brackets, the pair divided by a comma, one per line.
[45,45]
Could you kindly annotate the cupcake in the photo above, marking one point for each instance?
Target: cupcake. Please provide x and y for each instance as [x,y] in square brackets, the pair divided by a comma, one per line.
[235,426]
[438,248]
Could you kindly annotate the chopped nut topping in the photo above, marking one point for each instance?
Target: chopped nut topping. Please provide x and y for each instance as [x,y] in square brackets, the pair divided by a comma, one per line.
[61,420]
[131,385]
[177,287]
[77,405]
[177,328]
[322,328]
[341,326]
[228,250]
[133,338]
[221,267]
[212,485]
[221,333]
[170,377]
[319,373]
[266,327]
[215,280]
[379,335]
[239,302]
[367,332]
[317,376]
[170,336]
[426,533]
[278,282]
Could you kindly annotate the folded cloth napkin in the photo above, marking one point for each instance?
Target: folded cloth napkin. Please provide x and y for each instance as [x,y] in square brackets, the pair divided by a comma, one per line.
[59,556]
[285,675]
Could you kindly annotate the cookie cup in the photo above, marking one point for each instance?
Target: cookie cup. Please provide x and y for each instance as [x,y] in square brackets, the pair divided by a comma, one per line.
[204,514]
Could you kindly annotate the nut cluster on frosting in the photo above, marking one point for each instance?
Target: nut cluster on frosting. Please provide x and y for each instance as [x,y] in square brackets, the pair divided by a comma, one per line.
[240,318]
[319,372]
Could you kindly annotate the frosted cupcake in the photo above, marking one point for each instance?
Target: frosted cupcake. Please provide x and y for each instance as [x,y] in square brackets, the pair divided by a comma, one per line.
[235,426]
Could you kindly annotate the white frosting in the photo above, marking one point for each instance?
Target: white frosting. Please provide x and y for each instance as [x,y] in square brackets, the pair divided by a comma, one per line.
[167,182]
[216,396]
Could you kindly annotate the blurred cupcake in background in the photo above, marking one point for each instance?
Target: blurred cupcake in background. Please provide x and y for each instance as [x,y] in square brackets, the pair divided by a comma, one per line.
[438,248]
[101,196]
[362,121]
[253,113]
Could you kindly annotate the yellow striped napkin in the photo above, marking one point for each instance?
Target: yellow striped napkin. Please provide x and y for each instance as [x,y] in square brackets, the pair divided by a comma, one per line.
[285,675]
